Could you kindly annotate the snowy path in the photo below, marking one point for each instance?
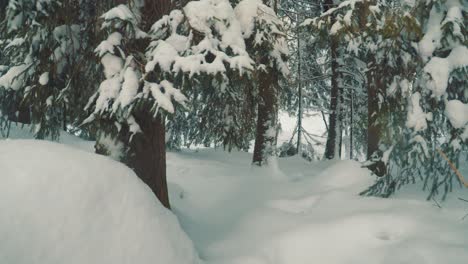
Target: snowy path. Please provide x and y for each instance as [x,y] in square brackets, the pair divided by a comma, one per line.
[237,214]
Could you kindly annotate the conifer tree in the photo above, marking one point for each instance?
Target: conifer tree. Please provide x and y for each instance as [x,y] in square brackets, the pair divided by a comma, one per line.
[41,47]
[144,63]
[266,44]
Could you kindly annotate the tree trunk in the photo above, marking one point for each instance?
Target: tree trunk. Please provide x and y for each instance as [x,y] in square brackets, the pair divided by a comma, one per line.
[148,154]
[299,95]
[265,137]
[147,150]
[334,129]
[3,6]
[373,129]
[266,119]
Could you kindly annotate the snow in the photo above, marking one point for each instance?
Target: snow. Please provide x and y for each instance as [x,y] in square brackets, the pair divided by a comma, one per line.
[234,213]
[107,46]
[108,90]
[253,12]
[121,12]
[416,116]
[163,55]
[237,214]
[336,27]
[13,79]
[457,113]
[439,69]
[44,78]
[246,11]
[112,65]
[129,88]
[62,205]
[163,93]
[431,40]
[15,42]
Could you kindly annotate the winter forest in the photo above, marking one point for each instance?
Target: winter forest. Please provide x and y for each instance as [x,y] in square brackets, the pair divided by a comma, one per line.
[233,131]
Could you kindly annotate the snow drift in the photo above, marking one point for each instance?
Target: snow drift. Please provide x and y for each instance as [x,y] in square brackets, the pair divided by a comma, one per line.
[62,205]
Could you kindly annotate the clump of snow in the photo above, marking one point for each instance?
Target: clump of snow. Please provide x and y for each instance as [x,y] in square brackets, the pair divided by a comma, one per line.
[252,13]
[108,45]
[416,116]
[457,113]
[439,69]
[44,78]
[60,205]
[129,88]
[14,77]
[433,34]
[112,65]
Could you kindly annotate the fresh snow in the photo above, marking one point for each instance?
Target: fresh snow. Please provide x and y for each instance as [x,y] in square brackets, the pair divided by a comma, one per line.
[416,116]
[44,78]
[62,205]
[238,214]
[457,113]
[77,207]
[439,69]
[13,79]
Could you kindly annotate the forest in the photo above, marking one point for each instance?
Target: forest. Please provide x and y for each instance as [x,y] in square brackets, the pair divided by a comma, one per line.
[227,131]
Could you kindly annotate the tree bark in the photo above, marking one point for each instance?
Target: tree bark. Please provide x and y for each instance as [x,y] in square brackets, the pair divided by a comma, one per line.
[148,154]
[373,128]
[148,148]
[334,129]
[265,135]
[266,118]
[299,93]
[3,6]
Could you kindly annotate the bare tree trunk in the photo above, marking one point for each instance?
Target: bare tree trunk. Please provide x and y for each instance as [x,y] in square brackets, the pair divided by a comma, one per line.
[334,129]
[265,137]
[373,129]
[351,125]
[266,120]
[299,93]
[3,6]
[148,154]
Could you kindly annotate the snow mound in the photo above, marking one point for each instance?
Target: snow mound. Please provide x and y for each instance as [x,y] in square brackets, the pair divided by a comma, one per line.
[62,205]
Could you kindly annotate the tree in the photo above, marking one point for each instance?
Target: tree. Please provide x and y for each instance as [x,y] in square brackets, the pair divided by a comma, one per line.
[266,44]
[185,49]
[45,45]
[423,131]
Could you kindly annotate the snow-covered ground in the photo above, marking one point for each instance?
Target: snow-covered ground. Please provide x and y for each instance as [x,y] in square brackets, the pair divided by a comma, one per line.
[90,209]
[307,213]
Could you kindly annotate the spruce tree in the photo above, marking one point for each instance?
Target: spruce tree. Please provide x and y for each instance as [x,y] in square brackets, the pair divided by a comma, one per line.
[266,44]
[147,65]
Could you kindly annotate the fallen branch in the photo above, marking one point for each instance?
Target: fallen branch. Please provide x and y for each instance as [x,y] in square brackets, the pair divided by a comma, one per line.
[457,172]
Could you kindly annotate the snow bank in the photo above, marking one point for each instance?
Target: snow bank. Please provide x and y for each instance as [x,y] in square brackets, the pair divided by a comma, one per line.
[61,205]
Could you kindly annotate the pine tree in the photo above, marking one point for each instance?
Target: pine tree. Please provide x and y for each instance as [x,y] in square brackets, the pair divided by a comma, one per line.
[46,46]
[266,43]
[143,65]
[422,131]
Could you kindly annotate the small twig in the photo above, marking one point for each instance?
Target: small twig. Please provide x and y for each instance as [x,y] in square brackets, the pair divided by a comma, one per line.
[436,203]
[464,200]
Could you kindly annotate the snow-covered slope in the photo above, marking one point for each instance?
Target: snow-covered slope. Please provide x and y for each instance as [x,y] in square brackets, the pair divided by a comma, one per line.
[62,205]
[302,213]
